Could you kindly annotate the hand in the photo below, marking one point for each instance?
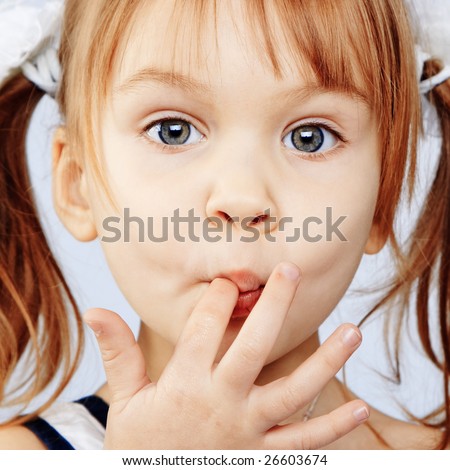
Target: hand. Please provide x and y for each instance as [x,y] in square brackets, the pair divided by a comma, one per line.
[199,404]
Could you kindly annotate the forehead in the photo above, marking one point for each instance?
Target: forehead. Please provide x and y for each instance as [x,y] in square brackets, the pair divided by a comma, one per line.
[220,44]
[203,42]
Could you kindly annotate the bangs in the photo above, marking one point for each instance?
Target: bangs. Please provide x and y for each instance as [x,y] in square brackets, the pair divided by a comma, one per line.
[315,40]
[343,45]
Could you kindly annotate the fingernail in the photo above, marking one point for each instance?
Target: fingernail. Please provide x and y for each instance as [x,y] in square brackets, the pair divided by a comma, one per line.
[351,337]
[361,414]
[95,327]
[290,271]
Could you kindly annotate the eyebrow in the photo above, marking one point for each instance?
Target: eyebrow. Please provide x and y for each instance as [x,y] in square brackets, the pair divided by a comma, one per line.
[188,84]
[311,89]
[173,79]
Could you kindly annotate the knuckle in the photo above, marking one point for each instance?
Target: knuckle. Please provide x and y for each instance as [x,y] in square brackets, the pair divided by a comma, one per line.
[307,442]
[322,433]
[110,356]
[115,357]
[291,443]
[331,362]
[250,351]
[290,399]
[206,319]
[201,326]
[192,341]
[314,439]
[335,430]
[265,412]
[186,395]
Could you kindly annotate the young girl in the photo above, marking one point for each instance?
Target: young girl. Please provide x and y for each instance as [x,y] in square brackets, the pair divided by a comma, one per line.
[260,138]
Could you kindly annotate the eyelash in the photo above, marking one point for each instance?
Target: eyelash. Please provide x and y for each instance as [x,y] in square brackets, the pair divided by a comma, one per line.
[162,146]
[310,156]
[320,155]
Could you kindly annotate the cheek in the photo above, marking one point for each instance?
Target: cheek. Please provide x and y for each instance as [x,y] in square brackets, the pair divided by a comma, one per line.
[328,266]
[147,272]
[151,276]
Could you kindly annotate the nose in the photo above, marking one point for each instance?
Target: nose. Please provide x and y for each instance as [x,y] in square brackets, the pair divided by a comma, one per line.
[241,196]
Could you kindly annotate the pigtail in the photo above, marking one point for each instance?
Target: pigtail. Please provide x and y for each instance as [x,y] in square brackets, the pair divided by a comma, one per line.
[425,265]
[429,253]
[34,297]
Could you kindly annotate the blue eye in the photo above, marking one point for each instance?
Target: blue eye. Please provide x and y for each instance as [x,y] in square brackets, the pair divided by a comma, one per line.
[173,132]
[310,138]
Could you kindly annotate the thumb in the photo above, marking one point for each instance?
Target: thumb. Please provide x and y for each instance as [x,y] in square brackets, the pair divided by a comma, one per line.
[122,358]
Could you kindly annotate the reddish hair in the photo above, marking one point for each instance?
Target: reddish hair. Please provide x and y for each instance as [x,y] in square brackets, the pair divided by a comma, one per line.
[423,270]
[35,300]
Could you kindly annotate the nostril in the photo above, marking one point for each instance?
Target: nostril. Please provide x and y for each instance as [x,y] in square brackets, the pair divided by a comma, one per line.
[259,218]
[256,220]
[225,216]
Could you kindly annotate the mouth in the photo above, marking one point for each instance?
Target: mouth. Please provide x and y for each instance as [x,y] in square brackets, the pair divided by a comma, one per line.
[250,287]
[245,303]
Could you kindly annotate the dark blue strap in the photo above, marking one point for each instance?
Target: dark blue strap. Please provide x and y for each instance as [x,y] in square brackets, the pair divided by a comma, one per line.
[96,407]
[49,436]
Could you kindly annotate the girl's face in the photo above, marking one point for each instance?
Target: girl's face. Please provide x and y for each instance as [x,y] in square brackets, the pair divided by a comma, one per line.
[238,143]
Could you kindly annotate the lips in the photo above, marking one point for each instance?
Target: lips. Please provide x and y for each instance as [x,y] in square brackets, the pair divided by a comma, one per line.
[245,303]
[250,288]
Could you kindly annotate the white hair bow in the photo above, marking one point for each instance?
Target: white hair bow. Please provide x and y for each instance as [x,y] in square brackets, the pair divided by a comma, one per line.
[428,84]
[431,20]
[35,30]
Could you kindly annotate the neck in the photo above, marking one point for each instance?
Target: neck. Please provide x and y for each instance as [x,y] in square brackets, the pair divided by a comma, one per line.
[286,364]
[157,352]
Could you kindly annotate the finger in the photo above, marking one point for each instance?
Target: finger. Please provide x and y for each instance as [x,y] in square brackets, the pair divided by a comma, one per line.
[245,358]
[122,358]
[277,401]
[319,432]
[201,337]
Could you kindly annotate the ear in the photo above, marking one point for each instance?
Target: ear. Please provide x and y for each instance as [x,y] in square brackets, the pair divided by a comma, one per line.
[376,241]
[70,195]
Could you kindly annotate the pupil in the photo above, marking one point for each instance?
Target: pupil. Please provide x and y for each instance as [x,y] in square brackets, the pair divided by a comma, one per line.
[307,138]
[174,132]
